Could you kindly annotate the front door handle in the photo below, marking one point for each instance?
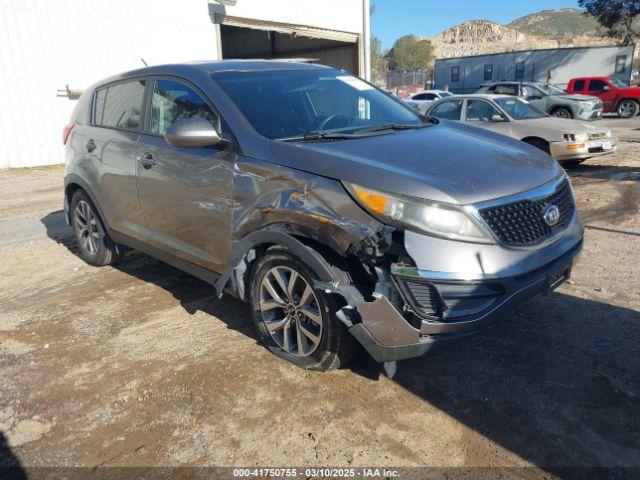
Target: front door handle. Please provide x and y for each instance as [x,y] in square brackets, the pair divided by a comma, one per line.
[147,160]
[90,145]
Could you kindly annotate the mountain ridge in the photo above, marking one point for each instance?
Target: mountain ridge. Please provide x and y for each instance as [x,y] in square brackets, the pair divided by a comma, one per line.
[564,27]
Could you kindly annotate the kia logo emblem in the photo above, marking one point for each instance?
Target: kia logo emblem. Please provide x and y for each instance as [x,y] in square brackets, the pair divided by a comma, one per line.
[551,215]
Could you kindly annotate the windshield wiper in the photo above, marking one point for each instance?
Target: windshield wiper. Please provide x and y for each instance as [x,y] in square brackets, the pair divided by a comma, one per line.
[398,126]
[315,136]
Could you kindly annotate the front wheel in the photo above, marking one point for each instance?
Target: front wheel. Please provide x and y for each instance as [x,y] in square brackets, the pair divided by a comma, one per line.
[295,321]
[628,108]
[561,113]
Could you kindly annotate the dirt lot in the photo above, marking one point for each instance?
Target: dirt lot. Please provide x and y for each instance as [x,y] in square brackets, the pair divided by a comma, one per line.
[141,365]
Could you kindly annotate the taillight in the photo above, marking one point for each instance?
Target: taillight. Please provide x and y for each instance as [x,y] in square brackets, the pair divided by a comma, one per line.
[66,132]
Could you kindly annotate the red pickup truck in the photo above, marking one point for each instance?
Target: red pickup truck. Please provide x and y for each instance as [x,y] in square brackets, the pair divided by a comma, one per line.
[615,95]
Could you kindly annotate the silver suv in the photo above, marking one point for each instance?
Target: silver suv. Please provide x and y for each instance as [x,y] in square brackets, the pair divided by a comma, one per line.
[335,211]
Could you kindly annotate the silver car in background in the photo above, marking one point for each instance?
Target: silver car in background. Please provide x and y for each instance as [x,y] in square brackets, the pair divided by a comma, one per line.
[421,101]
[563,139]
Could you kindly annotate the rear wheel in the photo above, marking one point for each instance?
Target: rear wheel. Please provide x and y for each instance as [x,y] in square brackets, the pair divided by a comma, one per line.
[561,112]
[294,320]
[94,244]
[628,108]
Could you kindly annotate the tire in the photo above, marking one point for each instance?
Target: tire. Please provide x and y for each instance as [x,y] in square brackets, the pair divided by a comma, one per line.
[94,244]
[276,316]
[627,108]
[538,143]
[561,112]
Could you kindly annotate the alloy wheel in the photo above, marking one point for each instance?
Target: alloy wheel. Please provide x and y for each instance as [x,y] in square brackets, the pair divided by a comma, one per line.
[290,311]
[561,114]
[626,109]
[86,224]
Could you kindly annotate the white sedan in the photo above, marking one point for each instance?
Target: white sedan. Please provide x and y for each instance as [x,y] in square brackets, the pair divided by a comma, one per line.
[563,139]
[422,100]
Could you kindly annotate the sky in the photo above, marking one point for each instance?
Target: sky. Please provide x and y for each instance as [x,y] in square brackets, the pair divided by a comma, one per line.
[395,18]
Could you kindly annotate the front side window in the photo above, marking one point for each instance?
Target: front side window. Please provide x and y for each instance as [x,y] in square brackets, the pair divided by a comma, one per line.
[449,110]
[597,85]
[531,91]
[455,74]
[480,111]
[519,70]
[291,103]
[120,105]
[621,63]
[488,71]
[172,101]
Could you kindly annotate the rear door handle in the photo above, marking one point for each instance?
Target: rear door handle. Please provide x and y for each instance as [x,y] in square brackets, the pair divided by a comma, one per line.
[147,160]
[90,145]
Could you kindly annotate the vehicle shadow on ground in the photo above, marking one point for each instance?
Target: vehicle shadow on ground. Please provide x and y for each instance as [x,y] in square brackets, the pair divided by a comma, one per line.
[10,466]
[593,171]
[557,382]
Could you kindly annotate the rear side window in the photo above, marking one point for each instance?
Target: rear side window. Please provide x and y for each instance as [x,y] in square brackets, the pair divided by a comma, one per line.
[507,89]
[578,85]
[449,110]
[172,101]
[120,105]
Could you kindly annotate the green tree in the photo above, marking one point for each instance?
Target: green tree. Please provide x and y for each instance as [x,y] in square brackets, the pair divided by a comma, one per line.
[379,64]
[411,52]
[618,17]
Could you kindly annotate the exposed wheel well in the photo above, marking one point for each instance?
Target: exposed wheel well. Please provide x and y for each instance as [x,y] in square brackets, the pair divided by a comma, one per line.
[636,100]
[561,107]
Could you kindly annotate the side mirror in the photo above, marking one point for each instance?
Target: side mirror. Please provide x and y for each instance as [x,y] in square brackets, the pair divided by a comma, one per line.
[498,118]
[606,88]
[194,132]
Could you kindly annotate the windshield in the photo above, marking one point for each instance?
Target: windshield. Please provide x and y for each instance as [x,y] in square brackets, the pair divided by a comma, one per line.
[291,103]
[618,83]
[519,109]
[551,90]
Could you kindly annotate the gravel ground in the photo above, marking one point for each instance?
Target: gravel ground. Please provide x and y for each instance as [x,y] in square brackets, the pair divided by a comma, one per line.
[140,365]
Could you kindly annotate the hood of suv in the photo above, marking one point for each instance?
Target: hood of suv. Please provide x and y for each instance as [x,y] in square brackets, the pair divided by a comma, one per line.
[450,162]
[577,97]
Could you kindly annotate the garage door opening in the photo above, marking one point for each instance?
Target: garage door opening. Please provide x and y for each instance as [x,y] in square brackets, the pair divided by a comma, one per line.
[242,42]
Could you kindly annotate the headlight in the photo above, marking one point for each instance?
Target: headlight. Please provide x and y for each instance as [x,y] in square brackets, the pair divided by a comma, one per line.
[432,218]
[576,137]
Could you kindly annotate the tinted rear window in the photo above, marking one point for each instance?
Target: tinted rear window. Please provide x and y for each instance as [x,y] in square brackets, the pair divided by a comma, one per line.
[120,105]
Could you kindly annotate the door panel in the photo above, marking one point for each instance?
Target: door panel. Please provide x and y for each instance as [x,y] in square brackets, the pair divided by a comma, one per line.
[186,194]
[186,198]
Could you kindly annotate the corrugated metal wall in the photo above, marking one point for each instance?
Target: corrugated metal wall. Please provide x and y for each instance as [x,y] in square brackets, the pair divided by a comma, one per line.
[45,45]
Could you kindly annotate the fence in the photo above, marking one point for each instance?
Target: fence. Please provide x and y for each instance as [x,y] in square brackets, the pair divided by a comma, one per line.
[414,77]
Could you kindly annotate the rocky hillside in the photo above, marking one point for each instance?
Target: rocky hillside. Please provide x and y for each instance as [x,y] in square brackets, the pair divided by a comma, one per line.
[566,25]
[546,29]
[482,36]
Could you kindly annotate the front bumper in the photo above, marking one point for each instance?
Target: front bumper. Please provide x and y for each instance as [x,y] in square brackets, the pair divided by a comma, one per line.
[581,150]
[466,307]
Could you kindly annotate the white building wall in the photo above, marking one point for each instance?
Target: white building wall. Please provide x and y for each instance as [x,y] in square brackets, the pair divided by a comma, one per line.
[45,45]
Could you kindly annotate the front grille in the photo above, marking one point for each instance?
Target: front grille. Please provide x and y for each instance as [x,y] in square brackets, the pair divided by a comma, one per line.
[521,223]
[596,150]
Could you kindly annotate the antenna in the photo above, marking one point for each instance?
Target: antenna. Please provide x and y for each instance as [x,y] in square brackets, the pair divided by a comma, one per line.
[145,63]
